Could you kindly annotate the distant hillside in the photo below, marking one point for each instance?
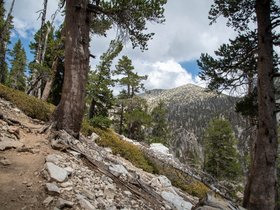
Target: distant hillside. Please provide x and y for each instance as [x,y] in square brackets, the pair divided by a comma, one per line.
[189,110]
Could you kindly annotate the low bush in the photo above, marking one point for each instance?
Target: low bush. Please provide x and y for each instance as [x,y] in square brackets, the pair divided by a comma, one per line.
[31,106]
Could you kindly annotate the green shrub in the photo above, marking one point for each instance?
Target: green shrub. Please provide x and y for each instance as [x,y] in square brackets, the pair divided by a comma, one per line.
[30,105]
[118,146]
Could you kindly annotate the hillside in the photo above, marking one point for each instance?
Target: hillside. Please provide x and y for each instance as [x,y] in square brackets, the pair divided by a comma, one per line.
[43,169]
[190,108]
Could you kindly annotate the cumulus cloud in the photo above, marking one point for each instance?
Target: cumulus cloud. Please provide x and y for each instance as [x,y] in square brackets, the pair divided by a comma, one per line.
[183,37]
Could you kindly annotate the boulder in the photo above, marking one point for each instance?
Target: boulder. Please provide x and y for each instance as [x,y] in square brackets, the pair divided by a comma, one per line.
[160,182]
[56,173]
[175,200]
[94,137]
[159,148]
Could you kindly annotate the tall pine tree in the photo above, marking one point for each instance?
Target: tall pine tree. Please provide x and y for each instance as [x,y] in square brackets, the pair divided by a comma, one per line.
[17,78]
[220,156]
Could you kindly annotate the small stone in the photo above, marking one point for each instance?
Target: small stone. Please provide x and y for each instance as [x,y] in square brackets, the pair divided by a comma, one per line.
[48,200]
[57,173]
[61,203]
[88,194]
[53,158]
[5,162]
[66,184]
[69,170]
[94,137]
[118,170]
[86,204]
[52,188]
[75,154]
[127,193]
[29,184]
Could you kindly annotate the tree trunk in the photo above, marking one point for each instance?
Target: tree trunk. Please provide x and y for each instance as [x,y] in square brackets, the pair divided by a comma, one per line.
[49,82]
[69,113]
[35,90]
[91,109]
[121,119]
[263,172]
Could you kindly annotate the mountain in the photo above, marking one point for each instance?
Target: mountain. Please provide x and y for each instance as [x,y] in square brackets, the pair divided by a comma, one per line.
[190,108]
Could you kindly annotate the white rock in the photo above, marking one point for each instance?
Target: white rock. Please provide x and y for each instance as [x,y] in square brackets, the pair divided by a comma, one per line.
[160,148]
[160,182]
[177,201]
[118,170]
[57,173]
[52,188]
[85,204]
[48,200]
[94,137]
[69,170]
[66,184]
[53,158]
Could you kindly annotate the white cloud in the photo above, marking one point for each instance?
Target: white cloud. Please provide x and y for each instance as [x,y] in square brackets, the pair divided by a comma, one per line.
[183,37]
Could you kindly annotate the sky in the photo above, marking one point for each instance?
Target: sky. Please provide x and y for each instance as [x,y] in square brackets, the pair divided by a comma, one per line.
[171,59]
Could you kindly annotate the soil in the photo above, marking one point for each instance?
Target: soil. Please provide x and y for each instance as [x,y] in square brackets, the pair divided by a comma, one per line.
[21,182]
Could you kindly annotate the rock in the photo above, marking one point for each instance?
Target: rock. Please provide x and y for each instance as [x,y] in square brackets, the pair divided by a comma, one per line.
[66,184]
[127,193]
[58,145]
[8,143]
[94,137]
[177,201]
[5,161]
[48,200]
[88,194]
[85,203]
[212,202]
[57,173]
[118,170]
[61,203]
[75,154]
[52,188]
[160,148]
[109,193]
[14,130]
[160,182]
[53,158]
[69,170]
[25,149]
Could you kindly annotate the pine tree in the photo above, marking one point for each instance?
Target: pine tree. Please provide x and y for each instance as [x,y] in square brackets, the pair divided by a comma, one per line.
[136,118]
[99,84]
[6,26]
[220,156]
[159,132]
[17,78]
[131,80]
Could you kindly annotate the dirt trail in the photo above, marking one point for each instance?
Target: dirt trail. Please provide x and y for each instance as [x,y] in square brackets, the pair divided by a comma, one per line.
[20,180]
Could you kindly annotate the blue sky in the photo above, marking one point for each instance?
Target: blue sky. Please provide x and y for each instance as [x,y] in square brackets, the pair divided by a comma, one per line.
[171,58]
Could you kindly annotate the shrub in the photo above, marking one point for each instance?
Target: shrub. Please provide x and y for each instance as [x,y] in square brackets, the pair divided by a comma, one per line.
[118,146]
[30,105]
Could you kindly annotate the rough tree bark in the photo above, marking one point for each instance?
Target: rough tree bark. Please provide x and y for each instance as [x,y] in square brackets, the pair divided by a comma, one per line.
[69,113]
[35,87]
[263,184]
